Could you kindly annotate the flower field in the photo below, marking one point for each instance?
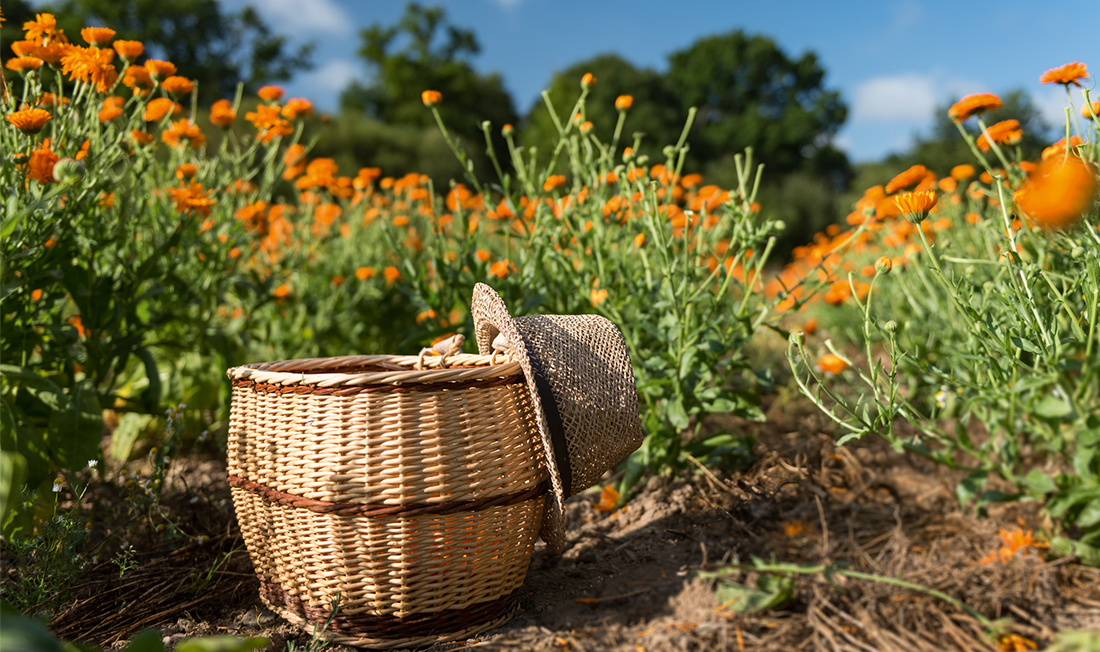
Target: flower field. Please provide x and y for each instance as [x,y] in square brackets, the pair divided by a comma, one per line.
[149,243]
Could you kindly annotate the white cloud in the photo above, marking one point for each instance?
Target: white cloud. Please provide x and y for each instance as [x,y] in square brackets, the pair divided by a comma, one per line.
[907,14]
[1052,102]
[295,16]
[905,97]
[332,77]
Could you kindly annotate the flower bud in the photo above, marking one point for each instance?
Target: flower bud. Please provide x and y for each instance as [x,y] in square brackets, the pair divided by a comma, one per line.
[507,130]
[883,264]
[796,338]
[67,171]
[891,327]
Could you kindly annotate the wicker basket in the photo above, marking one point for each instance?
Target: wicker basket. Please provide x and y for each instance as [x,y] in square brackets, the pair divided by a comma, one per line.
[412,496]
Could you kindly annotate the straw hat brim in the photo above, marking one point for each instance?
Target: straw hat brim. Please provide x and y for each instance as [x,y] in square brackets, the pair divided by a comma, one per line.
[583,393]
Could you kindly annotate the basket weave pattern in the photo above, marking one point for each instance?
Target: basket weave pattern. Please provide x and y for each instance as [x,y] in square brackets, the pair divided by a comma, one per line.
[414,495]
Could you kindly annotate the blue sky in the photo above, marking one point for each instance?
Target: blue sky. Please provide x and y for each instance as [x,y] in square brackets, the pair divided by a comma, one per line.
[893,61]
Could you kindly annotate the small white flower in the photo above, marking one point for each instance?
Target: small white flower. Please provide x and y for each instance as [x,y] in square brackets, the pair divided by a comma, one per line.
[183,406]
[941,397]
[203,539]
[194,499]
[57,487]
[93,463]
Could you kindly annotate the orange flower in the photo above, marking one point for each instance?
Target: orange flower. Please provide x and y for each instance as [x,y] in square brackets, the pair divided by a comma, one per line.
[156,110]
[587,80]
[639,240]
[364,273]
[129,50]
[431,98]
[831,365]
[624,102]
[910,177]
[29,121]
[270,93]
[297,108]
[948,184]
[501,268]
[482,255]
[391,274]
[1067,74]
[191,199]
[282,291]
[1012,542]
[44,26]
[222,113]
[141,137]
[973,105]
[914,206]
[1005,132]
[1058,193]
[97,36]
[597,296]
[338,280]
[267,121]
[962,172]
[36,295]
[1095,110]
[176,85]
[160,69]
[1059,148]
[609,499]
[112,108]
[327,213]
[553,181]
[40,165]
[810,327]
[23,64]
[136,76]
[182,130]
[186,171]
[91,65]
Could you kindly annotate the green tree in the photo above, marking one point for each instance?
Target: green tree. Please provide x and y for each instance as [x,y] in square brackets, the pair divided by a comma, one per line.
[214,47]
[657,111]
[751,94]
[424,51]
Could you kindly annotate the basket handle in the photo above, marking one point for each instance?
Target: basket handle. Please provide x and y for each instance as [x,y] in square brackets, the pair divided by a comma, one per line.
[443,348]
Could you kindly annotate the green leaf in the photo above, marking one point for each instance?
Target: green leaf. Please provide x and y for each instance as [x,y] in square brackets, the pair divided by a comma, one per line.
[221,644]
[1090,515]
[22,633]
[1039,482]
[771,591]
[676,414]
[13,473]
[130,428]
[1053,407]
[148,640]
[1086,554]
[968,489]
[74,434]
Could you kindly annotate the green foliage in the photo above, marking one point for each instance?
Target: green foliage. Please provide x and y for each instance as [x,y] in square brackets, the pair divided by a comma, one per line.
[657,112]
[421,52]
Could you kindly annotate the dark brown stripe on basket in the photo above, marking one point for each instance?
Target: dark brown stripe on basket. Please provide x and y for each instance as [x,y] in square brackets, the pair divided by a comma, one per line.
[345,390]
[367,509]
[371,626]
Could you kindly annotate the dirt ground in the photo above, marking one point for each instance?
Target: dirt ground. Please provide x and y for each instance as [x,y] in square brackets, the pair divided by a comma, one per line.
[629,579]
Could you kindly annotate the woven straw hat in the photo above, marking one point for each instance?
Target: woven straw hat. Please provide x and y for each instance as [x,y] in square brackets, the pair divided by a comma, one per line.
[583,390]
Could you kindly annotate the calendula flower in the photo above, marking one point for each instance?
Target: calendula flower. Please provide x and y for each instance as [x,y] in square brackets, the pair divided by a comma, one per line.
[1067,74]
[41,162]
[267,121]
[501,268]
[141,137]
[297,108]
[1059,147]
[270,93]
[597,296]
[1091,110]
[364,273]
[112,108]
[914,206]
[553,181]
[137,77]
[962,172]
[177,86]
[44,26]
[624,102]
[431,98]
[23,64]
[1005,132]
[91,65]
[186,171]
[222,113]
[1059,192]
[609,499]
[639,240]
[282,291]
[29,121]
[973,105]
[910,177]
[97,36]
[587,80]
[191,199]
[156,110]
[830,364]
[160,69]
[391,274]
[129,50]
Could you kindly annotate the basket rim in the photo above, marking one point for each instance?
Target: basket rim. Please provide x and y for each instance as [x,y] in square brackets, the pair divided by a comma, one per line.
[400,370]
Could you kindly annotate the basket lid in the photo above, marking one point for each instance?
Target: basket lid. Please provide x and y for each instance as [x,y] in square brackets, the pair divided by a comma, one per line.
[583,390]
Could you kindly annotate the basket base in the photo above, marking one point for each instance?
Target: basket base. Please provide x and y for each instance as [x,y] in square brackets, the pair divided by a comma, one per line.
[384,632]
